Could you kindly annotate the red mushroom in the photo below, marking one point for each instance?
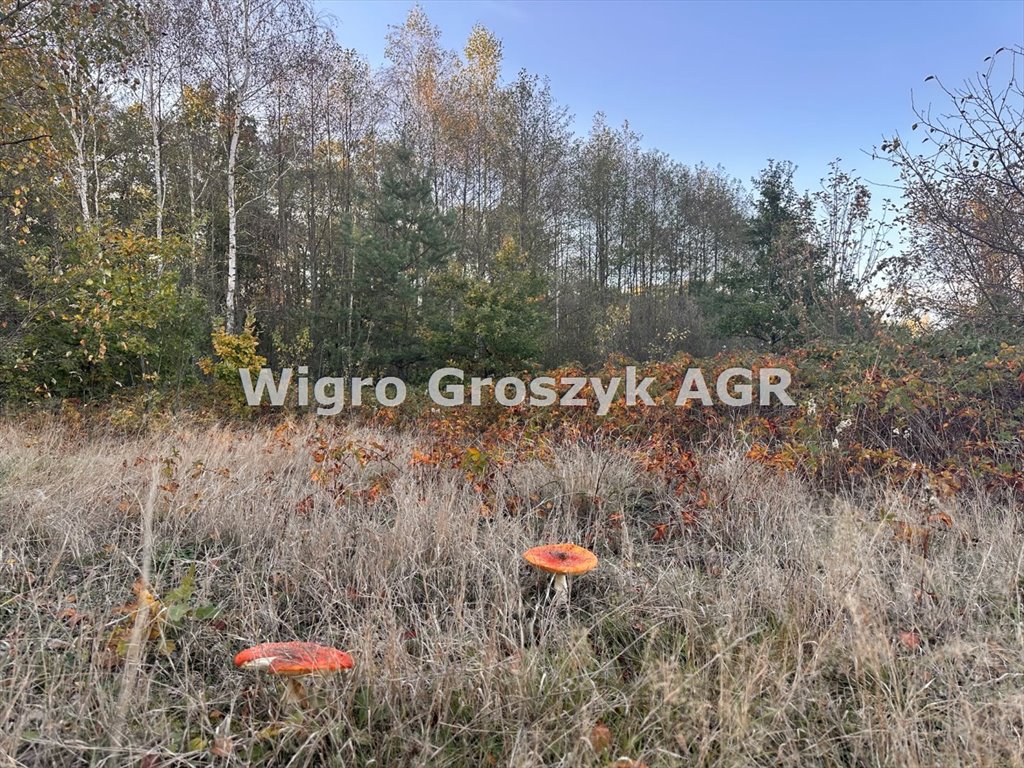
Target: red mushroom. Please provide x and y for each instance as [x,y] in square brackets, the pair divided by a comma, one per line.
[562,560]
[294,660]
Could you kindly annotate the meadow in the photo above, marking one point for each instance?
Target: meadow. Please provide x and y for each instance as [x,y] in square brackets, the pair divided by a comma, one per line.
[773,623]
[203,202]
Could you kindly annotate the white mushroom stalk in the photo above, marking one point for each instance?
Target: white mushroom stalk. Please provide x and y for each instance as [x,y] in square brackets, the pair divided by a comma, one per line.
[561,560]
[561,588]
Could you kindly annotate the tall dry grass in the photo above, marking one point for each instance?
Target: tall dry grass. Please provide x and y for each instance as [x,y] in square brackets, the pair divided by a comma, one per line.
[770,634]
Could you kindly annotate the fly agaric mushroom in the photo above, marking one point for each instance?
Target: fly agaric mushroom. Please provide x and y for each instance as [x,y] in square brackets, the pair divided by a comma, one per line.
[294,660]
[562,560]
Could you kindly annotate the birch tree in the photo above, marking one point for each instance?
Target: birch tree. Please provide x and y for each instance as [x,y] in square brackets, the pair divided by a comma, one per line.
[248,48]
[158,19]
[81,56]
[853,243]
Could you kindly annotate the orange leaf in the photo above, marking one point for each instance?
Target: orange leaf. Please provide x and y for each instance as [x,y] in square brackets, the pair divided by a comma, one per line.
[600,737]
[418,457]
[758,452]
[223,746]
[910,534]
[911,640]
[72,616]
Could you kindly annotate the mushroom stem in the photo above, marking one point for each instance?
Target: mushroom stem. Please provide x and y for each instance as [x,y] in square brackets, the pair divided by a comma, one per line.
[561,599]
[558,603]
[561,560]
[297,691]
[561,588]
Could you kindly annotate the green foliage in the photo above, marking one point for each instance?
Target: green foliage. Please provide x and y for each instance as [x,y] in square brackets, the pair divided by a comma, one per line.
[165,617]
[395,259]
[101,316]
[490,325]
[767,293]
[295,352]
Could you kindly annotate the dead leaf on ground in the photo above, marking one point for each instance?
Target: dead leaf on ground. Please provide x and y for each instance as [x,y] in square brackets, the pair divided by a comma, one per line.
[910,639]
[71,616]
[600,737]
[223,746]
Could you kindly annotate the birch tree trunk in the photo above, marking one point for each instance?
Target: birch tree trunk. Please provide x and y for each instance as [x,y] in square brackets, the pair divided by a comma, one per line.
[158,183]
[82,177]
[232,224]
[155,122]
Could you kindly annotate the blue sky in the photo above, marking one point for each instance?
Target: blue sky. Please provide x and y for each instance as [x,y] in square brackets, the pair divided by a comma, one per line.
[727,82]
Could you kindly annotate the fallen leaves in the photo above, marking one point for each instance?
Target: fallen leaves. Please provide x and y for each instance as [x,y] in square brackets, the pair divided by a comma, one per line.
[162,616]
[223,746]
[910,639]
[940,517]
[911,534]
[304,506]
[155,618]
[600,737]
[70,615]
[419,457]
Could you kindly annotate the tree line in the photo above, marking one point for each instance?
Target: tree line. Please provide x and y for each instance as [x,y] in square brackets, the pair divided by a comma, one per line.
[180,166]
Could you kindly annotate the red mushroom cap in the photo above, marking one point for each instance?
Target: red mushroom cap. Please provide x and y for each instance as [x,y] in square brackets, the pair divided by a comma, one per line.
[294,659]
[565,559]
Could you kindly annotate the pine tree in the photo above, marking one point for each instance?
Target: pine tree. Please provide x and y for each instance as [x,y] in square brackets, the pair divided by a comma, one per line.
[767,292]
[408,242]
[494,324]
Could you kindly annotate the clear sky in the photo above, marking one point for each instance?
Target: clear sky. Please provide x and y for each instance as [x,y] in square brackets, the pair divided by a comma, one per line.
[725,82]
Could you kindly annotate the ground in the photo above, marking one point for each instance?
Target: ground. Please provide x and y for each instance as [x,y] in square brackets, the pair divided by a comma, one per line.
[780,625]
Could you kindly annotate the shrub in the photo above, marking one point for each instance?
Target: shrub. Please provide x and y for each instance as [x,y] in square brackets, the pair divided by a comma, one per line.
[102,316]
[233,352]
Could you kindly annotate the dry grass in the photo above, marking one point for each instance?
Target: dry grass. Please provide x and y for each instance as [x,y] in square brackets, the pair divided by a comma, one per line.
[768,636]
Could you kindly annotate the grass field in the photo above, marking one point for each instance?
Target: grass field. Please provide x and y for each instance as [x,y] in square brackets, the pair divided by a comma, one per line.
[784,627]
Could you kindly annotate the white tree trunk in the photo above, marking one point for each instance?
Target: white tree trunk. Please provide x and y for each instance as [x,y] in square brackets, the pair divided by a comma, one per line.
[82,178]
[95,172]
[158,174]
[193,222]
[351,304]
[232,225]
